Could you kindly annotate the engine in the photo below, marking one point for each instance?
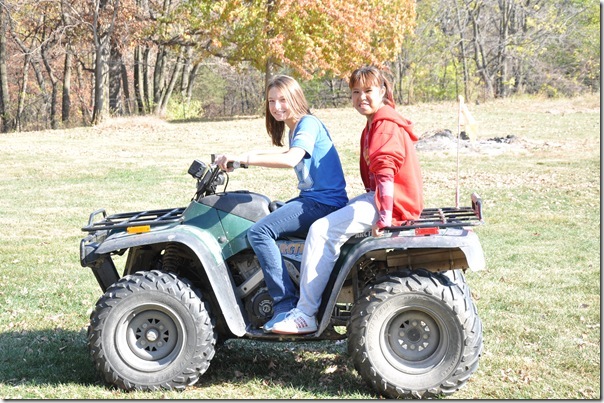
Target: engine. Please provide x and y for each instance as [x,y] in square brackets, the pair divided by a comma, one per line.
[251,287]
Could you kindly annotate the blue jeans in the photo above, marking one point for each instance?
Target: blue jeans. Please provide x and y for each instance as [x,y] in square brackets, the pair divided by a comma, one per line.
[292,219]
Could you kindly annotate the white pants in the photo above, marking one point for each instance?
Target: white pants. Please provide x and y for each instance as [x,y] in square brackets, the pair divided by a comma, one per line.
[322,248]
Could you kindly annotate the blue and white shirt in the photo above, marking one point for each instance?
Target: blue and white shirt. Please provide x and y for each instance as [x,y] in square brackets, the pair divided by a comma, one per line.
[320,174]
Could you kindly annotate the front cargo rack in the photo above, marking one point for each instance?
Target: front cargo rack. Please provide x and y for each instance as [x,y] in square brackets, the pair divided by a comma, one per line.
[124,220]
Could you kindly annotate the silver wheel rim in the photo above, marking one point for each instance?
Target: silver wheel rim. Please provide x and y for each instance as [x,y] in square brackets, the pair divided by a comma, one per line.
[414,341]
[150,337]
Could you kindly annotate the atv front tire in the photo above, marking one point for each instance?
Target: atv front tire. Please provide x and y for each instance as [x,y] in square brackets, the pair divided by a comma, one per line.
[415,334]
[149,331]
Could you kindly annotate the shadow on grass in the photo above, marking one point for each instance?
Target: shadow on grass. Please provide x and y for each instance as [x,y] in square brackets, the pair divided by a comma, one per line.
[58,356]
[321,368]
[53,356]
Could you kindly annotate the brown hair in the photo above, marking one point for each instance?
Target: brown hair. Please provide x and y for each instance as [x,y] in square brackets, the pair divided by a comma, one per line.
[368,76]
[296,100]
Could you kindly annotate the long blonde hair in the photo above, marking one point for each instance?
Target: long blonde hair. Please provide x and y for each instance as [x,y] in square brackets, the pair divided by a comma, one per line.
[368,76]
[295,99]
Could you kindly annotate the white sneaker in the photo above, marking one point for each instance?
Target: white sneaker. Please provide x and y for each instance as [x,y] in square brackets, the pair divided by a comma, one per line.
[268,326]
[296,322]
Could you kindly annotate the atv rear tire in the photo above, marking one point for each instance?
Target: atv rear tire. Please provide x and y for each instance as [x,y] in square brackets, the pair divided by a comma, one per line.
[415,334]
[149,331]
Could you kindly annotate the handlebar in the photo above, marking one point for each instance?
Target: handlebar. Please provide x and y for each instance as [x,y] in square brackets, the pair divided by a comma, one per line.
[236,165]
[209,177]
[230,164]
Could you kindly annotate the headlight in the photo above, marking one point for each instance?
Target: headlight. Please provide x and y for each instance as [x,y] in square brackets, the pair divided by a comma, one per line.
[197,169]
[219,181]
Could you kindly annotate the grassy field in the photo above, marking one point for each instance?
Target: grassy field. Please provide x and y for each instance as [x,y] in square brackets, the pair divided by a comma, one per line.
[539,297]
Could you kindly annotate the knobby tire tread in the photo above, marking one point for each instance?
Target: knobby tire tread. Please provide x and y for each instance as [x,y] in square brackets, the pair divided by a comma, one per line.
[454,292]
[180,289]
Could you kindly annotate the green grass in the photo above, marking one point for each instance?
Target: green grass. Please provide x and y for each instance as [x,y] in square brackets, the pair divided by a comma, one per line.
[538,298]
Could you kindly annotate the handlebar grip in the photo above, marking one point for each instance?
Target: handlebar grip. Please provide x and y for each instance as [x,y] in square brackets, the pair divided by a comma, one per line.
[236,164]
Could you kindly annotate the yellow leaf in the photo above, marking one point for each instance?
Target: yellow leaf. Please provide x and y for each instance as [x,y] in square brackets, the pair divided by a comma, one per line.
[331,369]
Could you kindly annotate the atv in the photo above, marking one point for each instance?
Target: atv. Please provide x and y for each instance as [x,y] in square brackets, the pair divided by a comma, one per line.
[191,281]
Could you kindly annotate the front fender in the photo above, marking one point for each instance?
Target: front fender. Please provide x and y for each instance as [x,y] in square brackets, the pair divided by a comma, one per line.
[456,248]
[208,251]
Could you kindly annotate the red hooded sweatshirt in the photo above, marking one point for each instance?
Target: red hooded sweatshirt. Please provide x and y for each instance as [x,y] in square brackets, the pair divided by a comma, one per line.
[390,167]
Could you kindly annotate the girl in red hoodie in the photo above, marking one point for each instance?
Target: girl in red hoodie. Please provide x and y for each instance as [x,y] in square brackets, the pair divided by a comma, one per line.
[391,174]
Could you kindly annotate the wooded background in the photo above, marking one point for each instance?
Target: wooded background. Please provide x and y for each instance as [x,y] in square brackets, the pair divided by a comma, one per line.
[66,63]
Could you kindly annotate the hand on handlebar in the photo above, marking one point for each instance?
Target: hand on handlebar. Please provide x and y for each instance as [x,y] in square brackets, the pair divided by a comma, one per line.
[223,160]
[228,163]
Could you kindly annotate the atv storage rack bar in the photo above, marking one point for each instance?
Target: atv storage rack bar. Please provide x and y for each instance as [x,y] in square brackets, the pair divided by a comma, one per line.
[124,220]
[431,217]
[447,216]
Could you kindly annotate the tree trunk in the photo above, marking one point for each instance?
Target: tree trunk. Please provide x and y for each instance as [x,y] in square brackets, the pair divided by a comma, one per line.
[102,43]
[462,50]
[502,68]
[126,88]
[84,106]
[146,90]
[54,88]
[100,64]
[186,70]
[115,82]
[168,92]
[138,81]
[48,43]
[5,120]
[22,92]
[268,73]
[159,74]
[191,81]
[479,57]
[66,96]
[140,71]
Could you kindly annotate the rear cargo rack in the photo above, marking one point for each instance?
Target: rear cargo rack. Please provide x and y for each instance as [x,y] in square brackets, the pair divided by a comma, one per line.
[124,220]
[447,217]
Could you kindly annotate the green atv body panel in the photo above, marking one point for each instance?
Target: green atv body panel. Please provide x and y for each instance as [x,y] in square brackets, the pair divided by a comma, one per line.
[212,234]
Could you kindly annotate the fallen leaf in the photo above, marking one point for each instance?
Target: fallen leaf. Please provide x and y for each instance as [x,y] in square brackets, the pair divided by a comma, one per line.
[331,369]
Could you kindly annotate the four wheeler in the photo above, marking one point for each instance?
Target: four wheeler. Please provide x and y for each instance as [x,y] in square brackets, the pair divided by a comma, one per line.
[191,281]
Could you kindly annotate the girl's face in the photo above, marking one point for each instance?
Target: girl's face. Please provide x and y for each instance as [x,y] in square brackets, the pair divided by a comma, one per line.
[367,100]
[280,108]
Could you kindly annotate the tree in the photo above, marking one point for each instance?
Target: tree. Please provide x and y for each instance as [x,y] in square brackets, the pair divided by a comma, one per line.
[110,27]
[32,33]
[500,48]
[510,37]
[311,38]
[4,94]
[99,49]
[105,14]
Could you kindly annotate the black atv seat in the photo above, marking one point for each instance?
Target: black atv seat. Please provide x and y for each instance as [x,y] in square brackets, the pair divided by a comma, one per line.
[274,205]
[242,203]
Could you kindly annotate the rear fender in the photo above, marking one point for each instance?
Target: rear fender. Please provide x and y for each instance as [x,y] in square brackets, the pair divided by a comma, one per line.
[208,251]
[452,248]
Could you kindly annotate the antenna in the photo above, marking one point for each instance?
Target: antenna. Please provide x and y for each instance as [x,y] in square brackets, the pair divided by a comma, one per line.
[459,112]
